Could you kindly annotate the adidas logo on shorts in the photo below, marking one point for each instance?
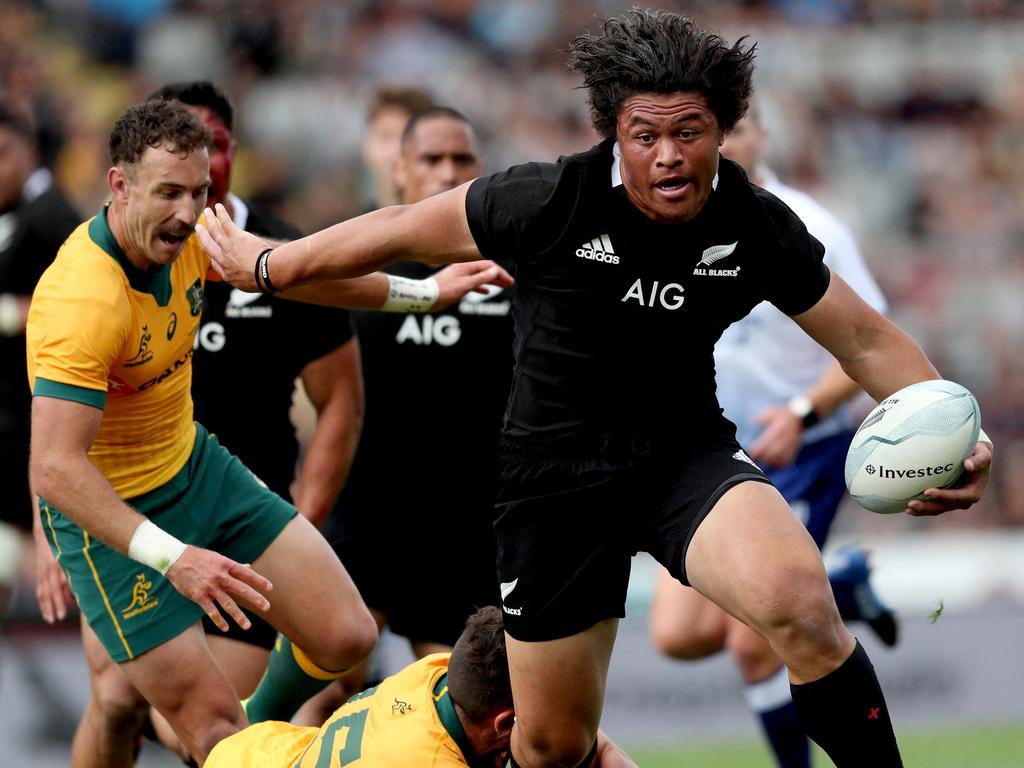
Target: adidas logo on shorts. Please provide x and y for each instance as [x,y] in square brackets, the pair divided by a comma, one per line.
[598,249]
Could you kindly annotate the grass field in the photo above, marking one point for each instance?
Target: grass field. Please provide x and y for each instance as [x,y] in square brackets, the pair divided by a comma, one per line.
[983,747]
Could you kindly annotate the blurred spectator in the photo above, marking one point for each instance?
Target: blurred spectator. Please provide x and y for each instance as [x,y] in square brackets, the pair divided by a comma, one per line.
[35,219]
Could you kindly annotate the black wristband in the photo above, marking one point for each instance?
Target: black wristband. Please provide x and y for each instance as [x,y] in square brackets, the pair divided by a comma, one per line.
[263,272]
[810,419]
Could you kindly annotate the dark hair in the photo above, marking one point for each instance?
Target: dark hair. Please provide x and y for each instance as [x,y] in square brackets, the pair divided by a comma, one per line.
[407,98]
[478,669]
[199,93]
[648,51]
[156,124]
[428,114]
[17,122]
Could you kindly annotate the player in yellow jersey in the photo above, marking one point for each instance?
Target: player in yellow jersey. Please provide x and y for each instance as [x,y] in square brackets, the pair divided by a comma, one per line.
[121,468]
[443,711]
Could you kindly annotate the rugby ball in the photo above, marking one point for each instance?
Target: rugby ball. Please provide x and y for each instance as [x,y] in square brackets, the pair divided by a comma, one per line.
[917,438]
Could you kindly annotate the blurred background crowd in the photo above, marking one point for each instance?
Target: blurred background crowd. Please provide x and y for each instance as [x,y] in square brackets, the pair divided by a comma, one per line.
[905,117]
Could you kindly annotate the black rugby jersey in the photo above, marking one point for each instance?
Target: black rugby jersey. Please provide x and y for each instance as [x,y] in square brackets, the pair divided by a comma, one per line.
[436,390]
[616,315]
[249,349]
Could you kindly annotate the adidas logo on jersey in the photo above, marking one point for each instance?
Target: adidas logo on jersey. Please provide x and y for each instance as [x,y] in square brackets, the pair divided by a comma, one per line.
[598,249]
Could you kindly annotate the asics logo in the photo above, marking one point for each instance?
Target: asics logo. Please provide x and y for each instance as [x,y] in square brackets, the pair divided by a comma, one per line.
[598,249]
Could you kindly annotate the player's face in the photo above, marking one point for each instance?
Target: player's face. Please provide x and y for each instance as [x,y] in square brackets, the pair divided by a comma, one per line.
[669,144]
[382,145]
[16,161]
[440,155]
[744,145]
[161,198]
[222,154]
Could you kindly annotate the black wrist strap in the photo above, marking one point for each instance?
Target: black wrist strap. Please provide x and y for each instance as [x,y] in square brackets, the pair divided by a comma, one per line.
[263,272]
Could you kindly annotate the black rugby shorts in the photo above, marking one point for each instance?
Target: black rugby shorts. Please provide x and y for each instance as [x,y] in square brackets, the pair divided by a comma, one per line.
[567,527]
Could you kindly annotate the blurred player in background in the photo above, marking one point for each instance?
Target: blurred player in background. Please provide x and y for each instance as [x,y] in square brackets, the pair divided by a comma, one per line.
[317,344]
[786,395]
[35,218]
[446,484]
[444,711]
[390,110]
[614,441]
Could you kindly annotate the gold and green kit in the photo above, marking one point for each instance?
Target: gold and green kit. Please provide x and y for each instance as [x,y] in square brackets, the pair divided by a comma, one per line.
[409,719]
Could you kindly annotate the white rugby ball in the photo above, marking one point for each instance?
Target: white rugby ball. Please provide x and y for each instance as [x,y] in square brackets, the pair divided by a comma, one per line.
[917,438]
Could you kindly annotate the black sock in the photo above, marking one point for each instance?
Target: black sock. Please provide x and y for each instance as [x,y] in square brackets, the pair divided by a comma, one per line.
[844,713]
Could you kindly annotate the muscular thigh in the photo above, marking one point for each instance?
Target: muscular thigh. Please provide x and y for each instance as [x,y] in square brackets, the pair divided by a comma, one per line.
[749,550]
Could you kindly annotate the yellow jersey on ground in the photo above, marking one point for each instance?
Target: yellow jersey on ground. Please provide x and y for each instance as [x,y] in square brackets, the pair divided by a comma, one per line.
[104,333]
[408,721]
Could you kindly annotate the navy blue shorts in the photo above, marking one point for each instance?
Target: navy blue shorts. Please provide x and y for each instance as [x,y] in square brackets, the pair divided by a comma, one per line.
[814,484]
[567,527]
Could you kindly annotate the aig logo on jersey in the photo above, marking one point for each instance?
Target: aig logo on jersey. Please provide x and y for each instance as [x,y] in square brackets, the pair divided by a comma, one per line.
[598,249]
[443,330]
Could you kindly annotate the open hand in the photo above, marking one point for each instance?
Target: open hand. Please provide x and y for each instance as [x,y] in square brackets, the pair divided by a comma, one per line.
[778,443]
[232,251]
[214,582]
[52,590]
[456,280]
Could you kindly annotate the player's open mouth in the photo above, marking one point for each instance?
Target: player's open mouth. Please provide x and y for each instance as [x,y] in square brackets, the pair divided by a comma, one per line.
[673,187]
[174,239]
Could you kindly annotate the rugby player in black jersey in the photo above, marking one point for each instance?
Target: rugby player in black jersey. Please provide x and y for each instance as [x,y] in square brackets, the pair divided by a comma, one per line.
[631,258]
[441,493]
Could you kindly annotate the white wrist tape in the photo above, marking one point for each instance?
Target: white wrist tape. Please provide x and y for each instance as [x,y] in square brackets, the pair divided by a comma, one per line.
[983,438]
[405,295]
[155,547]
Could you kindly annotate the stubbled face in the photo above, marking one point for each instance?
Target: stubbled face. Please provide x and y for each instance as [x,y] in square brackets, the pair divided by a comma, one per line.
[17,159]
[669,144]
[744,145]
[160,199]
[222,154]
[440,155]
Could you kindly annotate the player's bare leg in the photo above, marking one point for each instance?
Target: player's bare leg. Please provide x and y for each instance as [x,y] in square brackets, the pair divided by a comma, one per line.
[684,623]
[754,558]
[318,609]
[113,717]
[181,679]
[558,689]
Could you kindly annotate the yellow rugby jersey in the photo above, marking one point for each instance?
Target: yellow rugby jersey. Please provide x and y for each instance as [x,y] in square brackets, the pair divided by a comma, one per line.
[105,333]
[407,720]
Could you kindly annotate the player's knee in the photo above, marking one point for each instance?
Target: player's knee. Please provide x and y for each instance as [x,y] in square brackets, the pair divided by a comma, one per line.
[562,747]
[122,706]
[806,615]
[686,642]
[351,639]
[208,734]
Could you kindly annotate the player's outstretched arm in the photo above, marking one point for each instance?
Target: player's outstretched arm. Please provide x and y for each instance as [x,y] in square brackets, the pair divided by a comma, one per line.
[389,293]
[882,359]
[435,230]
[61,473]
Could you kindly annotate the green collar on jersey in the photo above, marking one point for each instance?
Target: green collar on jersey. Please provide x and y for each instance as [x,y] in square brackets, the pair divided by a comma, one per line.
[155,281]
[450,720]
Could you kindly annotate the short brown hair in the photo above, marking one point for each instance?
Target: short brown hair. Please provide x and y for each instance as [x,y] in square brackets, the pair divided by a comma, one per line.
[156,124]
[407,98]
[478,669]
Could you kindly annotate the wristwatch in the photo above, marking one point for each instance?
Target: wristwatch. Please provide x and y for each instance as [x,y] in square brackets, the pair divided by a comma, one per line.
[802,407]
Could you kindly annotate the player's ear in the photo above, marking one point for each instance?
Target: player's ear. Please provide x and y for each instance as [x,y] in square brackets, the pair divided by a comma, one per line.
[117,180]
[503,722]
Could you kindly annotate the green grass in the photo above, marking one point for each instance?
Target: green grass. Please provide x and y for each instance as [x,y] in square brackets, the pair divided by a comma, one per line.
[983,747]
